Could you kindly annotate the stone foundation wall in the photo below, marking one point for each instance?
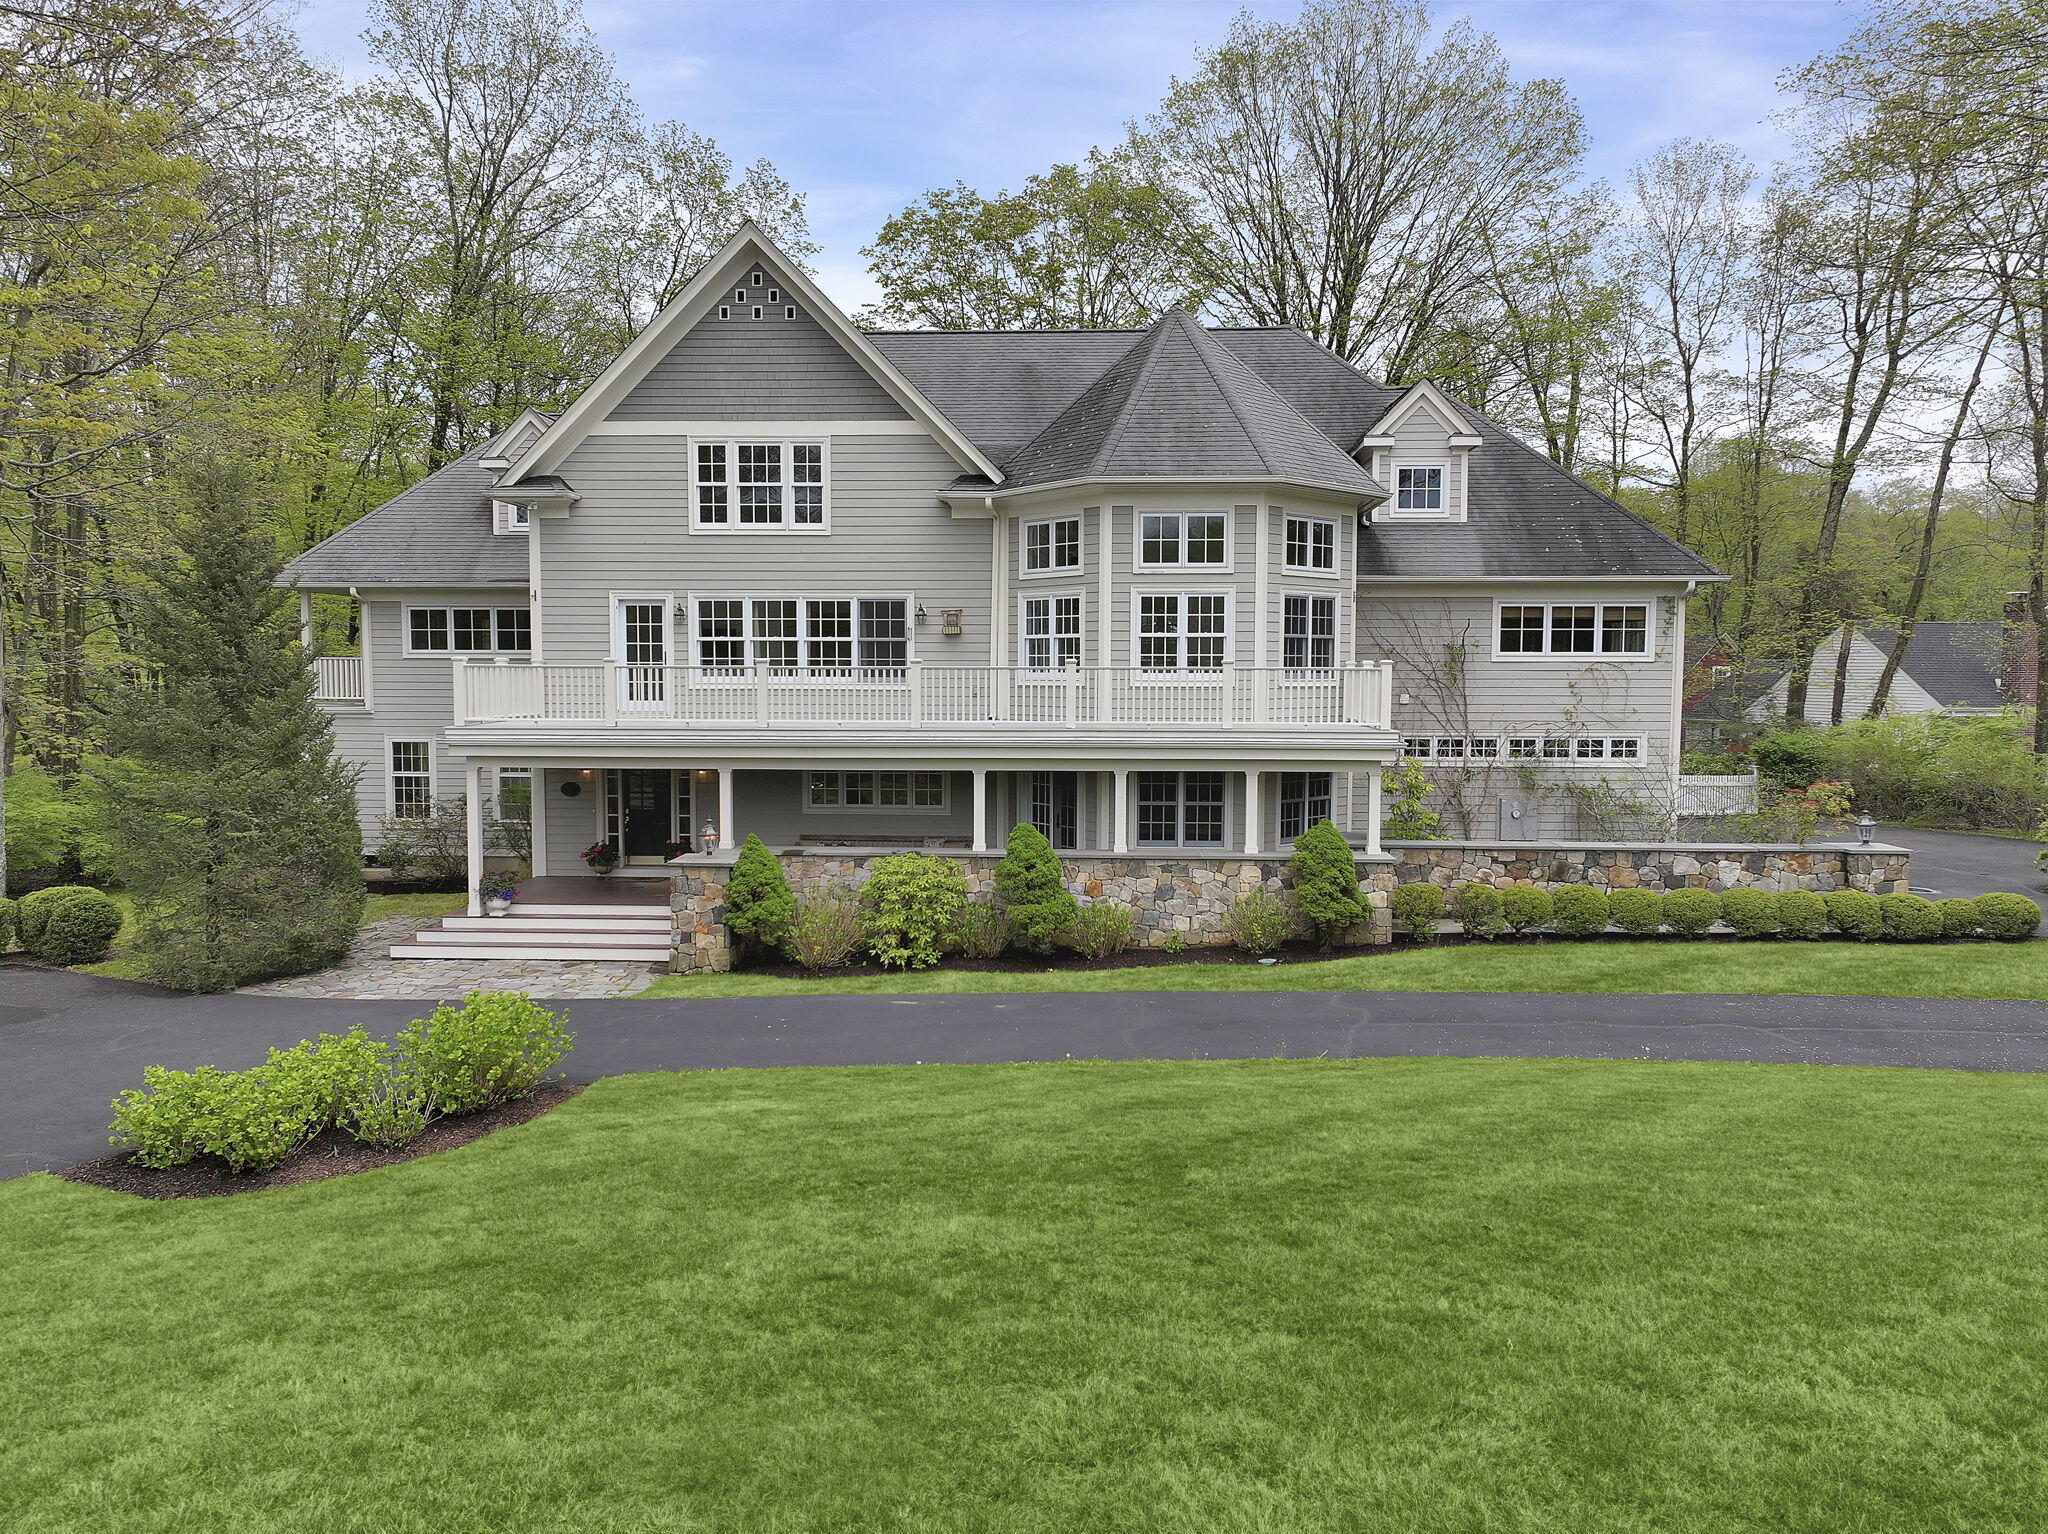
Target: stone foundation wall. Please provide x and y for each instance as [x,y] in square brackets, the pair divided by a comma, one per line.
[1877,870]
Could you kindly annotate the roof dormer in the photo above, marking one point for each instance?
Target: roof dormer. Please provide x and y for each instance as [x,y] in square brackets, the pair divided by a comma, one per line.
[1420,450]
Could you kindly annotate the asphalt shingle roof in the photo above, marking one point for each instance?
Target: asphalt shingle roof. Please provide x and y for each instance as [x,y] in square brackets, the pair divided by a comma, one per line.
[436,533]
[1958,663]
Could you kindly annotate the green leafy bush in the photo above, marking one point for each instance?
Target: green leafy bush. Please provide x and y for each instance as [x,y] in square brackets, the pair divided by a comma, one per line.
[1909,918]
[1638,912]
[1750,912]
[910,906]
[1802,914]
[1524,907]
[1406,816]
[826,932]
[33,910]
[758,904]
[6,924]
[1477,908]
[1689,912]
[1323,884]
[1958,917]
[494,1048]
[1257,922]
[2009,918]
[1790,758]
[390,1109]
[77,927]
[1103,928]
[982,932]
[1418,908]
[1039,908]
[1924,768]
[164,1123]
[1578,910]
[1855,914]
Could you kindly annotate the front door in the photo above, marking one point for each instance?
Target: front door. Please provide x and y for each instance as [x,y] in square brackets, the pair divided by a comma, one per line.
[647,804]
[1055,807]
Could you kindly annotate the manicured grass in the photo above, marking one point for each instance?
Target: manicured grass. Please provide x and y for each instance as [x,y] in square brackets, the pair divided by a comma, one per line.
[1280,1297]
[2009,970]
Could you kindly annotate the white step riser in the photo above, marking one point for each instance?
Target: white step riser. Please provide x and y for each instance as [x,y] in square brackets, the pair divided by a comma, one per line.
[656,941]
[551,924]
[534,951]
[627,912]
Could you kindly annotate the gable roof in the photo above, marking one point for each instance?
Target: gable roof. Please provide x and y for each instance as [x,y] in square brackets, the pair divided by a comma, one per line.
[1958,664]
[1413,398]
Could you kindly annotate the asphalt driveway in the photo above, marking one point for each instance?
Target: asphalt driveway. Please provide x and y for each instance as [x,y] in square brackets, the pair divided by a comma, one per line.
[69,1042]
[1959,863]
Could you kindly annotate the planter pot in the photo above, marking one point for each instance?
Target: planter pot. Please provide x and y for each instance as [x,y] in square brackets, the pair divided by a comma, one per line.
[603,870]
[496,905]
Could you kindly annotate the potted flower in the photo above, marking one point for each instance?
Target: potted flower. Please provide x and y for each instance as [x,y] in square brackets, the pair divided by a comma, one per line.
[678,848]
[498,891]
[602,857]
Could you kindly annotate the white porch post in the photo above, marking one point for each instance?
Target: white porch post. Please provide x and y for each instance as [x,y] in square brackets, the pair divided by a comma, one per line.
[1372,809]
[1120,810]
[473,818]
[539,811]
[306,621]
[726,836]
[1254,815]
[981,809]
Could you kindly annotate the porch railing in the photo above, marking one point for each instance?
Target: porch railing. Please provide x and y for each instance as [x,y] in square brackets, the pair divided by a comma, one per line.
[918,696]
[338,678]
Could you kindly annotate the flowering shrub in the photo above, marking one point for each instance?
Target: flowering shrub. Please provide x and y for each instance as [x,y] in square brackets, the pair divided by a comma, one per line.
[602,856]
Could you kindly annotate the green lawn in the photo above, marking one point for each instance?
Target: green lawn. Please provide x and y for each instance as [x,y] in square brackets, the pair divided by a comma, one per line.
[2010,970]
[1398,1296]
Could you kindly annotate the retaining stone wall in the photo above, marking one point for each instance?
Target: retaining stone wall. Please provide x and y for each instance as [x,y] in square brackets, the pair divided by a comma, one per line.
[1877,870]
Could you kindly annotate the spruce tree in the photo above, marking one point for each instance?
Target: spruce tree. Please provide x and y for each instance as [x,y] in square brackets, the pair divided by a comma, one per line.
[759,909]
[229,819]
[1036,904]
[1324,876]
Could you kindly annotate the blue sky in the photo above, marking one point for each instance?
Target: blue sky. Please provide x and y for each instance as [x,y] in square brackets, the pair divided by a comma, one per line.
[864,104]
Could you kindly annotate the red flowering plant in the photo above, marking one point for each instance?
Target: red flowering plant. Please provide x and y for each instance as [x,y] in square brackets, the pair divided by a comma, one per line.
[602,856]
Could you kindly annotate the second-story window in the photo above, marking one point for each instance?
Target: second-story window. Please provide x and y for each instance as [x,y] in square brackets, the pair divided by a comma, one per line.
[1575,628]
[1419,488]
[756,486]
[1182,631]
[1308,633]
[1052,632]
[467,630]
[1311,544]
[1172,539]
[1052,545]
[803,634]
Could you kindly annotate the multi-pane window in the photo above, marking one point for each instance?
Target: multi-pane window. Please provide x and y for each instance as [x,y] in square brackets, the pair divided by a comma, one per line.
[1184,538]
[1056,808]
[877,791]
[1180,809]
[1052,632]
[1419,488]
[1308,633]
[412,779]
[760,484]
[1451,748]
[1182,631]
[514,798]
[1575,628]
[460,630]
[1052,545]
[1575,748]
[814,634]
[1304,800]
[1311,544]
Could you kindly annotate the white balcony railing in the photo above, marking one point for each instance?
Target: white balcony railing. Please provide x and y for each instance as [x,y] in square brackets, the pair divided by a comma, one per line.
[338,678]
[920,696]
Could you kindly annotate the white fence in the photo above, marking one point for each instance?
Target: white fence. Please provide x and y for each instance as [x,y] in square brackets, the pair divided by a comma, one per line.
[1717,795]
[338,678]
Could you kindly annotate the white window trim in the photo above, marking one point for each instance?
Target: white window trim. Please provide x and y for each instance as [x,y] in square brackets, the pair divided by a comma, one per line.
[1396,512]
[944,807]
[391,777]
[1317,675]
[1582,657]
[716,676]
[1145,677]
[620,600]
[1230,827]
[1052,673]
[733,525]
[1329,796]
[1335,572]
[405,634]
[509,519]
[1052,572]
[1139,566]
[1502,752]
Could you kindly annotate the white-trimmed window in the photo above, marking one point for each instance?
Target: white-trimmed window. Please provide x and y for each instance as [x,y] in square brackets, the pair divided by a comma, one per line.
[1054,544]
[1419,490]
[1311,545]
[1451,748]
[1051,631]
[1575,748]
[1308,633]
[760,486]
[807,634]
[1183,630]
[468,630]
[1304,800]
[411,770]
[1180,809]
[1172,540]
[1575,628]
[510,517]
[512,798]
[916,792]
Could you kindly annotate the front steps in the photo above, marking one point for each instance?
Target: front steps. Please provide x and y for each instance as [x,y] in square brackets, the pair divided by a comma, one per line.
[629,932]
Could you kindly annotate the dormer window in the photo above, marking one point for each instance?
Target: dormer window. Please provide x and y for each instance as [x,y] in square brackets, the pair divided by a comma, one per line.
[508,517]
[1419,488]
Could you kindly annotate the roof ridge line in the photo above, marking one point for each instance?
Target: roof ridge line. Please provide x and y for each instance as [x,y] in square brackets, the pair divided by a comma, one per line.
[1110,443]
[1229,393]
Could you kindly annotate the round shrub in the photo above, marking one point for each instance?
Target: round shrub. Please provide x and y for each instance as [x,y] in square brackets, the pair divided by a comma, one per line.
[1958,917]
[1477,908]
[77,929]
[33,910]
[2009,918]
[1802,914]
[6,924]
[1639,913]
[1578,910]
[1524,907]
[910,907]
[1418,908]
[1855,914]
[1909,918]
[1689,912]
[1750,912]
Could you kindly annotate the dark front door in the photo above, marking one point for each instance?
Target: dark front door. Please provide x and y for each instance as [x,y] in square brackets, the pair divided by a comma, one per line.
[1055,805]
[647,801]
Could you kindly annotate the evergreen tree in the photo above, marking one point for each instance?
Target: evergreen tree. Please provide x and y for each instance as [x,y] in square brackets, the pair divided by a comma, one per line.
[1325,883]
[759,909]
[229,819]
[1040,911]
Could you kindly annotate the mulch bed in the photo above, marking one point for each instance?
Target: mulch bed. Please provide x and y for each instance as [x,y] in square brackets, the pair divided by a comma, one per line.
[332,1154]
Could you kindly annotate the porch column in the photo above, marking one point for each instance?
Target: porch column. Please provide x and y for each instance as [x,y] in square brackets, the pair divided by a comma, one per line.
[473,826]
[1120,810]
[1254,814]
[539,812]
[306,621]
[726,836]
[981,809]
[1372,809]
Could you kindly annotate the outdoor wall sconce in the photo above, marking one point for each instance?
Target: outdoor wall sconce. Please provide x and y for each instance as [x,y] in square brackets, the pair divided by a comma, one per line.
[949,619]
[920,613]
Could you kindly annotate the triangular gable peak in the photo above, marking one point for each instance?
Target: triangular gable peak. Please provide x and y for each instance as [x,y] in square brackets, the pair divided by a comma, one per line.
[1421,396]
[715,283]
[515,439]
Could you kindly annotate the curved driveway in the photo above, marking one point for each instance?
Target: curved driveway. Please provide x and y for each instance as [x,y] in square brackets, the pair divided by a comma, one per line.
[69,1042]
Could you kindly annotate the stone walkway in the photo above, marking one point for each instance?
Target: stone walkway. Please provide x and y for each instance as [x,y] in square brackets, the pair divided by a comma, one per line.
[371,974]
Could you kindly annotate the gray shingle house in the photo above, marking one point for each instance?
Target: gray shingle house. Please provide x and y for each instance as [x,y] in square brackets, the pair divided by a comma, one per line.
[1166,594]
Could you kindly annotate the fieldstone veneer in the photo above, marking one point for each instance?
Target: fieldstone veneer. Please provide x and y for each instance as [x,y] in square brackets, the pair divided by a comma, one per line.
[1876,869]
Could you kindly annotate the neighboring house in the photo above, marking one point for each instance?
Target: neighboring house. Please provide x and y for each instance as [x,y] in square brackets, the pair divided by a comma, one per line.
[1175,593]
[1948,668]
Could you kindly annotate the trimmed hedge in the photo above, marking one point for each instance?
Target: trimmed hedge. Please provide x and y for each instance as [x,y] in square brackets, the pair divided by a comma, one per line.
[33,910]
[1855,914]
[1523,906]
[1909,918]
[1802,915]
[1477,908]
[1750,912]
[1578,910]
[1689,912]
[72,924]
[1958,917]
[1638,912]
[1419,907]
[2008,918]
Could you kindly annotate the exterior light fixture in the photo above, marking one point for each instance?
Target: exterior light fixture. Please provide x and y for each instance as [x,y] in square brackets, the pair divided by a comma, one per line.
[707,835]
[1866,828]
[920,614]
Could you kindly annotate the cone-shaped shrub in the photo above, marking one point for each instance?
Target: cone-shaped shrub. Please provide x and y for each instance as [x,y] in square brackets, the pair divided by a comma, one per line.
[1689,912]
[2009,918]
[1802,914]
[1578,910]
[1524,907]
[1419,907]
[759,909]
[1323,883]
[1909,918]
[1637,912]
[1855,914]
[1037,906]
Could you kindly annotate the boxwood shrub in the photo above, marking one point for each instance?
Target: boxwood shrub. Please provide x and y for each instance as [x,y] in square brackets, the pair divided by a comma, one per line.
[1419,907]
[1689,912]
[1524,907]
[6,924]
[1802,914]
[1477,908]
[1958,917]
[1578,910]
[34,910]
[76,928]
[2009,918]
[1909,918]
[1855,914]
[1638,912]
[1750,912]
